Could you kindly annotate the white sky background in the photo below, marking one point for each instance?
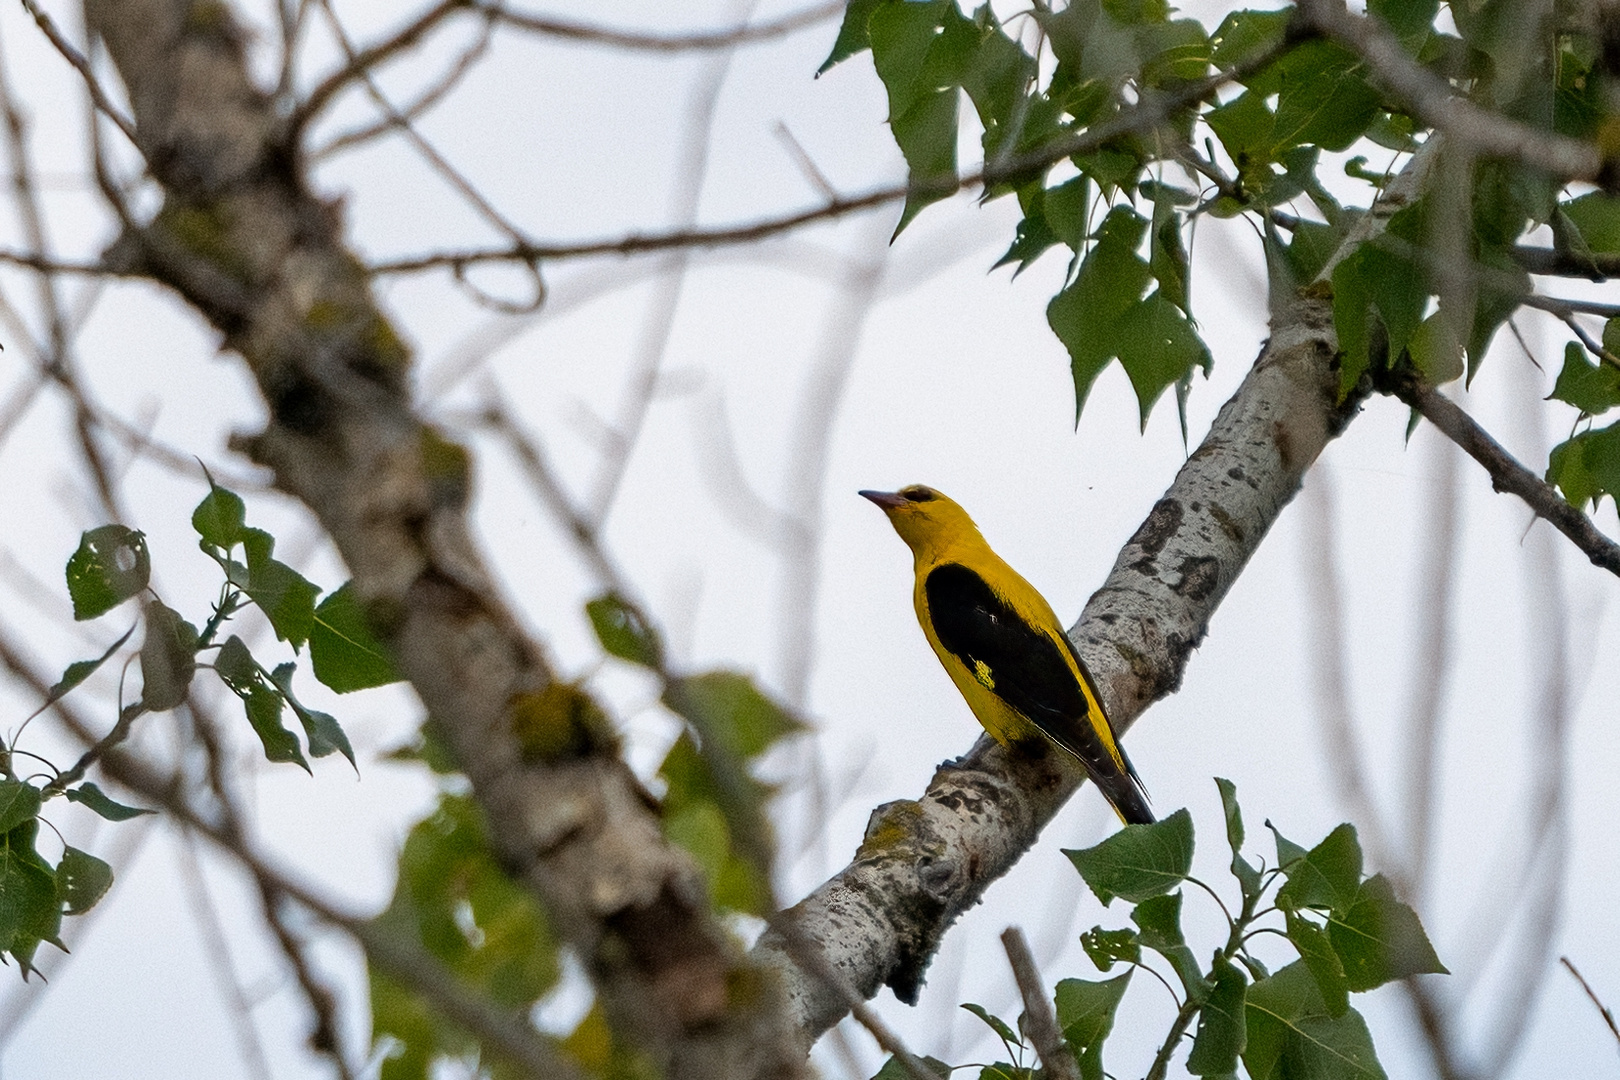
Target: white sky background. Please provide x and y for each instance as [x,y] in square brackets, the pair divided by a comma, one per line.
[956,382]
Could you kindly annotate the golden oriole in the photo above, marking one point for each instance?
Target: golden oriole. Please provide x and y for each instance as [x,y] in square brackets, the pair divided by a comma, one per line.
[1003,646]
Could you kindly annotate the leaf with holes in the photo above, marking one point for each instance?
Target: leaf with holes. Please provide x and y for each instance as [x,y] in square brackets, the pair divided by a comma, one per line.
[110,566]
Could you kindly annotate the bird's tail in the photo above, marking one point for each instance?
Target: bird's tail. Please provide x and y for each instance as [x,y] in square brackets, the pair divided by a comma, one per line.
[1125,793]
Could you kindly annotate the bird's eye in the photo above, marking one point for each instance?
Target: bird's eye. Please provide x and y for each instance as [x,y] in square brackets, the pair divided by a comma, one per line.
[917,493]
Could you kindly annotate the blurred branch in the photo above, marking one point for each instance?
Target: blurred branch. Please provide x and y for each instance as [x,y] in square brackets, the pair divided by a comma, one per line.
[658,323]
[1152,111]
[575,828]
[742,34]
[1435,103]
[1507,475]
[362,62]
[1603,1010]
[254,1062]
[428,98]
[1597,266]
[1040,1021]
[81,64]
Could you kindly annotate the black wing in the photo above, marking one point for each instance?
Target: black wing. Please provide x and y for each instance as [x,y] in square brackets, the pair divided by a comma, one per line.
[1028,669]
[1030,672]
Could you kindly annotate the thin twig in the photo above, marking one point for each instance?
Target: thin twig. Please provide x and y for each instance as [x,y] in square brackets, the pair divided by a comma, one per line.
[631,39]
[426,100]
[81,64]
[1150,112]
[1039,1020]
[1603,1010]
[217,946]
[1507,474]
[659,322]
[361,63]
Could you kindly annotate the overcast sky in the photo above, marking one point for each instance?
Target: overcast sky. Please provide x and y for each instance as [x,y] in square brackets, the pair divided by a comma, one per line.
[948,377]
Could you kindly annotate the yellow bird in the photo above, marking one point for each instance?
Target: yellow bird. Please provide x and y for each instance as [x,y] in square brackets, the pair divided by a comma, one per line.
[1003,646]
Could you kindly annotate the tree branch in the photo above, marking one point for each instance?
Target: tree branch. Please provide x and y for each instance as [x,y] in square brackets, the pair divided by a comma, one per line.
[1435,103]
[692,42]
[1151,112]
[1506,472]
[242,238]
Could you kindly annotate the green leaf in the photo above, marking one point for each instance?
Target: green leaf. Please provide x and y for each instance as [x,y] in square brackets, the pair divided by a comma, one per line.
[996,77]
[726,706]
[1247,875]
[1325,966]
[263,707]
[82,880]
[93,798]
[1085,1014]
[894,1069]
[234,664]
[1160,920]
[1587,467]
[1222,1024]
[624,631]
[1158,347]
[1245,126]
[852,34]
[921,51]
[1323,100]
[285,596]
[1244,35]
[1370,286]
[1435,350]
[1287,850]
[1329,875]
[1138,861]
[220,518]
[1380,939]
[19,802]
[77,672]
[1409,19]
[324,733]
[1086,315]
[1106,947]
[1597,216]
[345,653]
[29,909]
[168,658]
[1292,1035]
[995,1024]
[454,899]
[1592,388]
[110,566]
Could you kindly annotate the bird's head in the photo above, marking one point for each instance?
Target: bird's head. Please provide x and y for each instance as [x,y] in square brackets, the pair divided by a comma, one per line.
[928,521]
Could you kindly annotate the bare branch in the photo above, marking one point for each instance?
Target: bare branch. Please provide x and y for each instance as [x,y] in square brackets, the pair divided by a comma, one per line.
[1603,1010]
[1506,472]
[1040,1021]
[363,62]
[426,100]
[631,39]
[1436,104]
[81,64]
[1598,266]
[1152,111]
